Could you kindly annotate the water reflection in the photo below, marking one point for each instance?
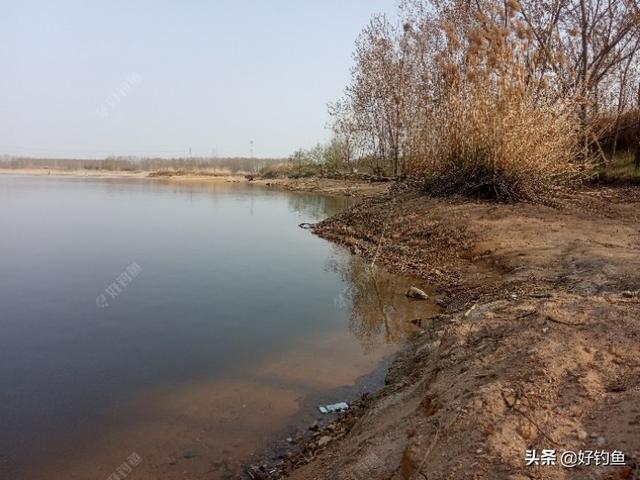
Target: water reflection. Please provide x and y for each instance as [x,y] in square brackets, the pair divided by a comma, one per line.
[379,309]
[235,327]
[317,207]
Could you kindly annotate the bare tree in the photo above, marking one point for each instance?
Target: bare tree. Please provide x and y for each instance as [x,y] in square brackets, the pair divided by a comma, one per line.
[561,58]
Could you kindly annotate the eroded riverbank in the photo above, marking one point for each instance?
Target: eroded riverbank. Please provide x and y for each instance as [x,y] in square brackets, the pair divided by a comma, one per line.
[537,348]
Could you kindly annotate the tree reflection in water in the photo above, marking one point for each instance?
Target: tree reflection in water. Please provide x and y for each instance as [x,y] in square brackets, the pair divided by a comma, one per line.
[316,207]
[379,308]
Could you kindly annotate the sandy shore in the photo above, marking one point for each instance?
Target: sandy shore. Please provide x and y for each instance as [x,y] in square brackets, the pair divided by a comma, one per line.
[537,348]
[71,173]
[324,186]
[121,174]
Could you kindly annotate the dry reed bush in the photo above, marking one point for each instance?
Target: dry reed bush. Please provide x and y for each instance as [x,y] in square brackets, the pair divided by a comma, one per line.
[499,98]
[494,132]
[618,132]
[276,170]
[498,145]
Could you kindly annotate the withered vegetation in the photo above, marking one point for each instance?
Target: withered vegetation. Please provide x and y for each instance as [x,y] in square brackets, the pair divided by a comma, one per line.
[503,99]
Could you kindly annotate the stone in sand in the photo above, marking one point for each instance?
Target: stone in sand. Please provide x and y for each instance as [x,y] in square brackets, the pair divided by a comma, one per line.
[415,292]
[324,440]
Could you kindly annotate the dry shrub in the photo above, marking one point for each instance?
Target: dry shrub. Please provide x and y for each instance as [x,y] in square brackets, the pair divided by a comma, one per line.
[617,131]
[497,98]
[275,170]
[493,131]
[498,146]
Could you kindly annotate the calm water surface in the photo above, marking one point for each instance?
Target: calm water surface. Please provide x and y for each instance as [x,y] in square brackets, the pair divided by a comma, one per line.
[232,324]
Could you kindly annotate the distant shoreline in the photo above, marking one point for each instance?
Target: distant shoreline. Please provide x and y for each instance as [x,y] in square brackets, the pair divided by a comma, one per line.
[70,173]
[319,185]
[118,174]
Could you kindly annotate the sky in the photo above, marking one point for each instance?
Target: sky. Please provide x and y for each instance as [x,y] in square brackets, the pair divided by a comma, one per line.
[88,79]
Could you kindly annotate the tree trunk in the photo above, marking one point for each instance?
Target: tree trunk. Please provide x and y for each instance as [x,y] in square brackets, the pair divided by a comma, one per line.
[584,27]
[637,149]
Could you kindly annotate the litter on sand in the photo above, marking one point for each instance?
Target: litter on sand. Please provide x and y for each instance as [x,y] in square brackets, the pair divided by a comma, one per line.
[334,407]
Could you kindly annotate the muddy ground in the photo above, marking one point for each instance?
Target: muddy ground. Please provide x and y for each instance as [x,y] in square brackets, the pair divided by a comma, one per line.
[538,346]
[354,187]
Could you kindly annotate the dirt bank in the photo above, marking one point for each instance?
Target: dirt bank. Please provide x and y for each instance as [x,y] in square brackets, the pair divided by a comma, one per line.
[538,347]
[328,186]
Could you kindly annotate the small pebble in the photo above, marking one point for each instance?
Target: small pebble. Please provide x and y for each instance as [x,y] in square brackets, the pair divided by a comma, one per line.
[324,440]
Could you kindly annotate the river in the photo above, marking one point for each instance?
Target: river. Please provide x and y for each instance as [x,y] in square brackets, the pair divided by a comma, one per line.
[186,326]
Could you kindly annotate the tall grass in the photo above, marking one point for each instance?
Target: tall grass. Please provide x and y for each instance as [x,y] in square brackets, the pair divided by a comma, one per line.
[497,144]
[507,99]
[495,132]
[620,170]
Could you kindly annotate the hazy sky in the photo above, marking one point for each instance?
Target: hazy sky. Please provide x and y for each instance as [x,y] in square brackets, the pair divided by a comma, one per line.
[93,78]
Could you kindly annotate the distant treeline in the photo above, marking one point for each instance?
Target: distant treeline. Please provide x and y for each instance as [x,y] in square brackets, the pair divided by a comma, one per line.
[132,164]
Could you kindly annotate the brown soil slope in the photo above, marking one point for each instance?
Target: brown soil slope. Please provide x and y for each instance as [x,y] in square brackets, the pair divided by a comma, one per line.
[350,187]
[539,347]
